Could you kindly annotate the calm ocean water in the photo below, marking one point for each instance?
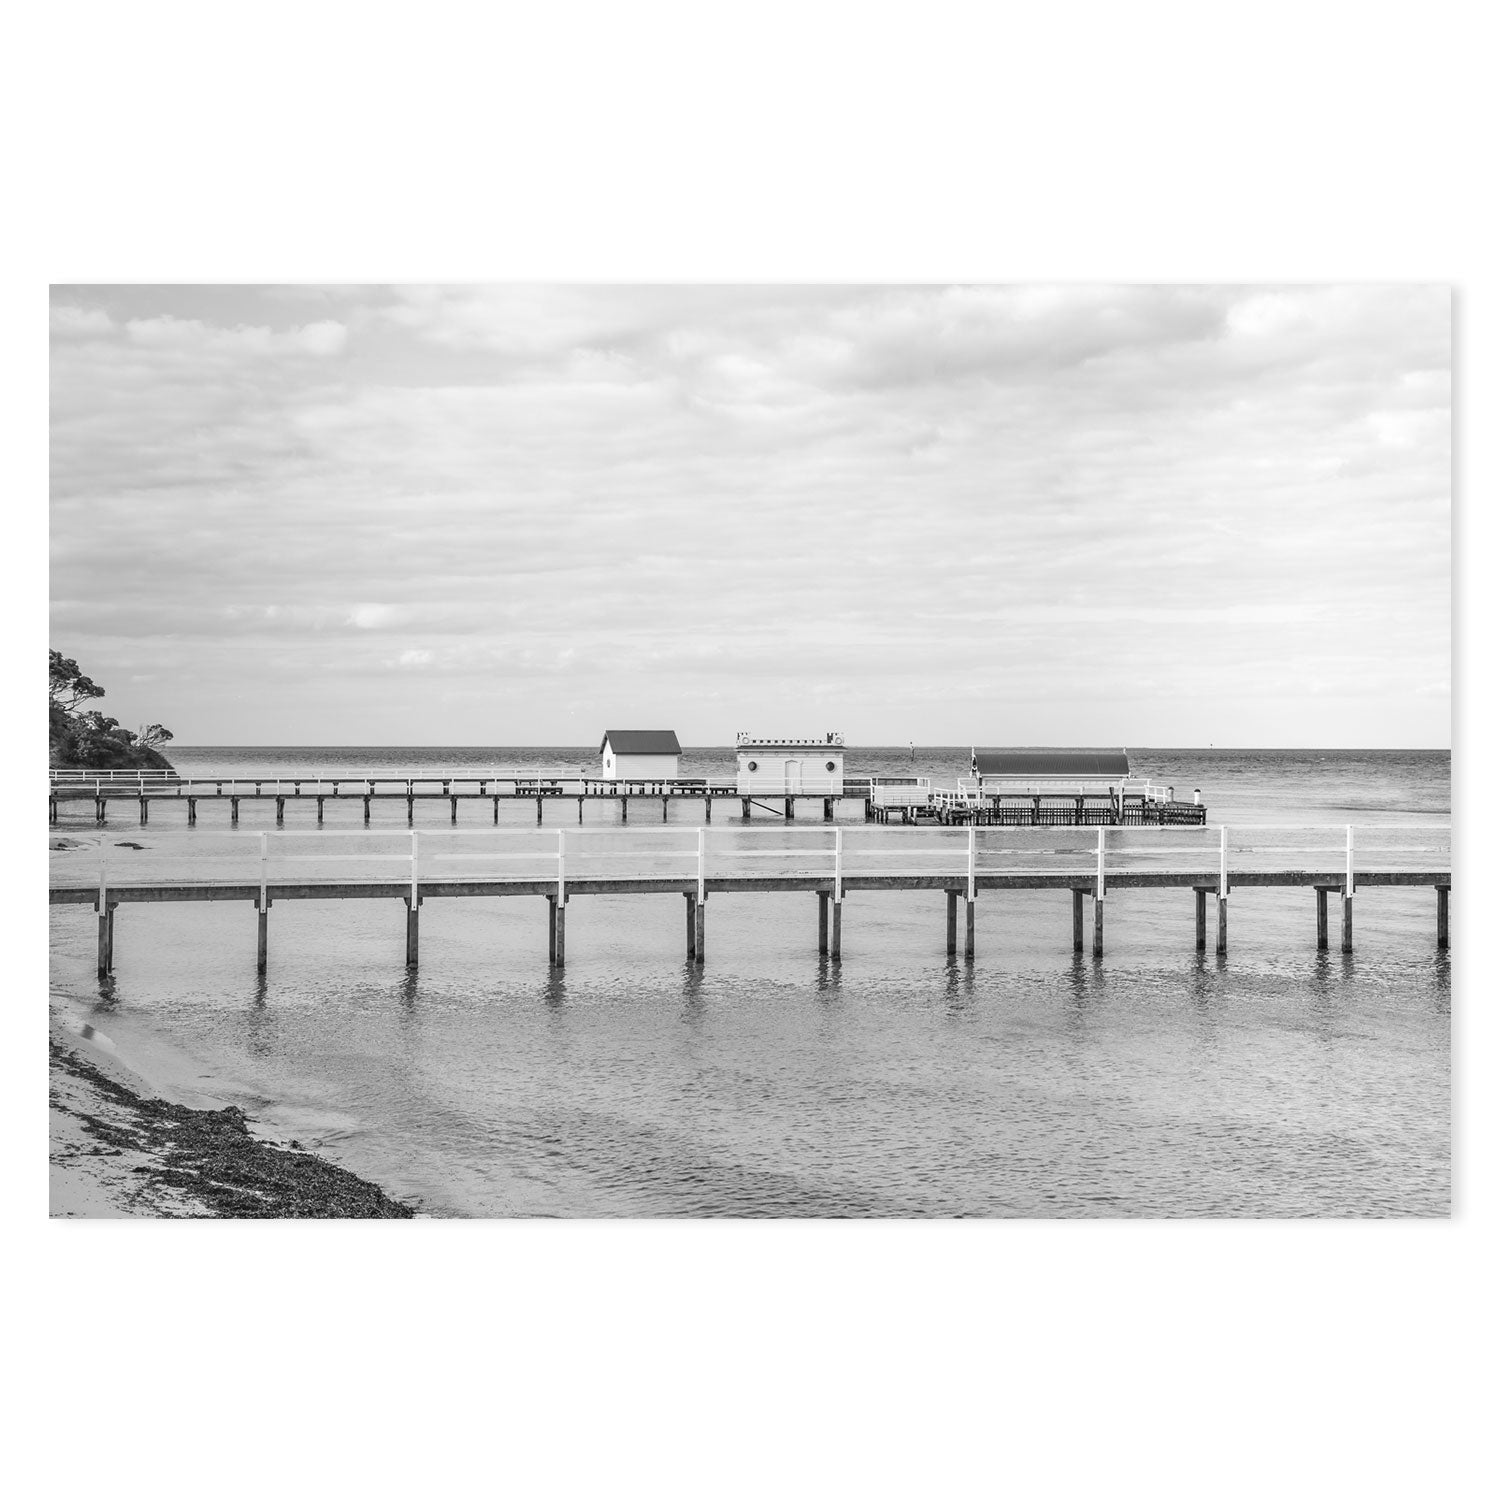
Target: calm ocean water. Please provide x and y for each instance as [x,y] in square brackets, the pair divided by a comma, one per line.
[1032,1082]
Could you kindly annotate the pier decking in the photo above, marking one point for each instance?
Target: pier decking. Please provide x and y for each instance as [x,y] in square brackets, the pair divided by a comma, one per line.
[885,799]
[960,864]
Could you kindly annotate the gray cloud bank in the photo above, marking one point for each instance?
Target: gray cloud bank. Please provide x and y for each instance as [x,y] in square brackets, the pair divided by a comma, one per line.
[513,514]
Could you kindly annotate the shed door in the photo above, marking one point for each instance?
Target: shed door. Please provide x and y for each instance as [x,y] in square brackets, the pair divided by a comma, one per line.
[794,776]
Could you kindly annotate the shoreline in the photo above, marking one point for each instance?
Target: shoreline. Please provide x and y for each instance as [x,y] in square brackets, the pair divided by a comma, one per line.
[117,1148]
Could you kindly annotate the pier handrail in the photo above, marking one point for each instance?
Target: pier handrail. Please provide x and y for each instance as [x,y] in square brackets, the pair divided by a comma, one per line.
[967,855]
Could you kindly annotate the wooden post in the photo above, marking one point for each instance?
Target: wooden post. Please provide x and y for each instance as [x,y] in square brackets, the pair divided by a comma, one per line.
[708,807]
[412,915]
[822,924]
[106,937]
[99,810]
[951,946]
[580,809]
[1322,895]
[1347,946]
[453,805]
[869,810]
[969,928]
[700,923]
[497,811]
[828,809]
[1078,895]
[560,925]
[552,930]
[1098,926]
[538,812]
[1442,891]
[689,901]
[836,938]
[624,809]
[262,914]
[791,811]
[320,810]
[192,811]
[664,809]
[1200,918]
[145,805]
[745,809]
[234,813]
[1221,946]
[280,810]
[410,809]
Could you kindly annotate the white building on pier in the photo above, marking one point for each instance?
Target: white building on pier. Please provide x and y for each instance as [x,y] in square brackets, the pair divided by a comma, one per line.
[639,755]
[783,765]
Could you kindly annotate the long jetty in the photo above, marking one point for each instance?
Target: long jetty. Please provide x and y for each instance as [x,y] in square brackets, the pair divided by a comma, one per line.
[961,864]
[909,799]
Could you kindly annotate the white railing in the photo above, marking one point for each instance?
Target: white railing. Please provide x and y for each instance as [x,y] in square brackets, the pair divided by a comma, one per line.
[1093,855]
[486,783]
[84,775]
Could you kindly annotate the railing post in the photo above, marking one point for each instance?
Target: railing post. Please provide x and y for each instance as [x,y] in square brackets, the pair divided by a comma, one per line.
[562,892]
[1221,943]
[1347,944]
[1099,899]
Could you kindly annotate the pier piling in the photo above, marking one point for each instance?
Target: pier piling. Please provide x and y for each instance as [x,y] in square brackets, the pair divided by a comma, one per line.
[413,906]
[951,944]
[1221,946]
[1347,945]
[145,808]
[411,805]
[1078,895]
[262,915]
[280,811]
[453,814]
[828,809]
[692,946]
[1321,893]
[193,811]
[320,801]
[822,924]
[1442,936]
[700,923]
[234,812]
[1200,918]
[1098,926]
[791,812]
[106,937]
[744,810]
[969,928]
[836,936]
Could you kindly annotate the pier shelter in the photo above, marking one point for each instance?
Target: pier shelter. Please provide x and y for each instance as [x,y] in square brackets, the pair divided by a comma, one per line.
[639,755]
[790,764]
[1088,771]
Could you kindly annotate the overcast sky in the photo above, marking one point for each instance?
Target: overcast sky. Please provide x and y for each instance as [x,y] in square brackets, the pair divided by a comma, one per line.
[518,515]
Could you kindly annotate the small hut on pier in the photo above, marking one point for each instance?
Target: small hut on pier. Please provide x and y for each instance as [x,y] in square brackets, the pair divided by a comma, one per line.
[639,754]
[790,764]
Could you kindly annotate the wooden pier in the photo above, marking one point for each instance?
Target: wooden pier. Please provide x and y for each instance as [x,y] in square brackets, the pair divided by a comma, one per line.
[832,871]
[885,799]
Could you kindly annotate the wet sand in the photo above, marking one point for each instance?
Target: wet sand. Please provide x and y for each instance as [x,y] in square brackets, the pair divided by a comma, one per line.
[117,1151]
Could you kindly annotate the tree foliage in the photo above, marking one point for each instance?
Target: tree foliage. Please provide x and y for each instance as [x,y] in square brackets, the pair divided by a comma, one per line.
[89,738]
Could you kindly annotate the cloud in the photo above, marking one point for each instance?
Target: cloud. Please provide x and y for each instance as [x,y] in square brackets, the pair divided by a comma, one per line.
[946,496]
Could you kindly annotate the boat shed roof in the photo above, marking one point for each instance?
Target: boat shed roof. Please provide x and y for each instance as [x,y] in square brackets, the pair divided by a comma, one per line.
[642,741]
[1038,763]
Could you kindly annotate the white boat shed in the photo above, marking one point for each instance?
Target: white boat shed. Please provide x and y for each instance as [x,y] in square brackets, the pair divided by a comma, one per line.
[640,754]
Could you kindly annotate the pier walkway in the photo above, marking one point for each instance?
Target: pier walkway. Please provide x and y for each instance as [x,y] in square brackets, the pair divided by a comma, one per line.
[905,799]
[696,863]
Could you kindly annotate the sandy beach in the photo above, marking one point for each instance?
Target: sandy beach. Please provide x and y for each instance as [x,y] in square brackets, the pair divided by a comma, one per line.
[125,1145]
